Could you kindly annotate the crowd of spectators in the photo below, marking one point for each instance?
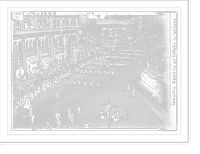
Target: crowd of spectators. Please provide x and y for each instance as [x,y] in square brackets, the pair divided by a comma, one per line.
[156,61]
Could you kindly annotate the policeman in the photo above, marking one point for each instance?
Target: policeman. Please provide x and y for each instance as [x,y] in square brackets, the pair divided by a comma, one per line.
[91,83]
[79,82]
[90,72]
[69,80]
[75,82]
[69,110]
[71,117]
[81,70]
[107,72]
[57,94]
[95,71]
[104,71]
[78,110]
[32,118]
[98,84]
[48,123]
[128,87]
[112,72]
[126,114]
[99,71]
[57,115]
[59,122]
[85,82]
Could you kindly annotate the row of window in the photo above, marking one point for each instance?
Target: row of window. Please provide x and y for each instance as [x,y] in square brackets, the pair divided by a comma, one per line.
[33,22]
[42,42]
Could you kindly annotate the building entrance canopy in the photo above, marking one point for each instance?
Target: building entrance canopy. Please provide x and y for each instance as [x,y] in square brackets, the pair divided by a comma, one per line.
[60,54]
[47,59]
[33,59]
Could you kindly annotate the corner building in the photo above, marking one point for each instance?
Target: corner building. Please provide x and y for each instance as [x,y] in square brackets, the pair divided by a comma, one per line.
[43,37]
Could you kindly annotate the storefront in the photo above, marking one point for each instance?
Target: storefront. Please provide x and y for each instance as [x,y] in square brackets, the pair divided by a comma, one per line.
[58,55]
[32,64]
[17,66]
[46,60]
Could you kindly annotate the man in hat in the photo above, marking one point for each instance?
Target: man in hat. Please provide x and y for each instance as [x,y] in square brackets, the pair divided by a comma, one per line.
[79,82]
[69,110]
[112,71]
[85,82]
[90,72]
[91,83]
[107,72]
[86,124]
[71,117]
[57,94]
[126,114]
[75,82]
[99,71]
[69,80]
[32,118]
[98,84]
[133,92]
[128,87]
[104,71]
[79,110]
[48,123]
[57,115]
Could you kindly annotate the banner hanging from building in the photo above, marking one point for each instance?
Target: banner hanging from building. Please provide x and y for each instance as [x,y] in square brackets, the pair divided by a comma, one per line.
[113,32]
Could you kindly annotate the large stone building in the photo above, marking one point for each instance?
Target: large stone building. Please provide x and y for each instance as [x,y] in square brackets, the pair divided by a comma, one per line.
[44,40]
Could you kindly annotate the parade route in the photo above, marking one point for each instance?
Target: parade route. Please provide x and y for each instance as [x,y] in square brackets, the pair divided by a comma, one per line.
[144,110]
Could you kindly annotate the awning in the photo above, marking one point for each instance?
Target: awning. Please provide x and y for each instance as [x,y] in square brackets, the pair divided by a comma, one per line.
[32,59]
[47,60]
[152,72]
[76,50]
[60,54]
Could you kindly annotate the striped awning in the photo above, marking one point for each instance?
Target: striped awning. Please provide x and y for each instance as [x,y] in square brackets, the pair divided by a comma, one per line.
[33,59]
[60,54]
[47,60]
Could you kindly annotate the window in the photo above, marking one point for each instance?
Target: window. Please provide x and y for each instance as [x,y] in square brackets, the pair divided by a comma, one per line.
[128,32]
[42,41]
[54,22]
[73,37]
[56,40]
[39,22]
[29,43]
[44,53]
[16,45]
[44,22]
[74,21]
[26,22]
[71,22]
[64,22]
[32,22]
[16,25]
[58,22]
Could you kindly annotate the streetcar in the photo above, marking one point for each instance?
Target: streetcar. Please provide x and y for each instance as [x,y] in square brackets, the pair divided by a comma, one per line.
[150,78]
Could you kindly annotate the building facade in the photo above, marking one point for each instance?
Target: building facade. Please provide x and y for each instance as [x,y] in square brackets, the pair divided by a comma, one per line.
[40,38]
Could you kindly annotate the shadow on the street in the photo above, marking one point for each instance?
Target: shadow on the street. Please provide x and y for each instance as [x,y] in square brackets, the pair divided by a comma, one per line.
[121,118]
[66,116]
[54,121]
[164,105]
[24,116]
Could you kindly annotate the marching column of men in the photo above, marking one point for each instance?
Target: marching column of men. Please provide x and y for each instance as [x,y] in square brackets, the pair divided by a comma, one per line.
[79,84]
[107,64]
[98,71]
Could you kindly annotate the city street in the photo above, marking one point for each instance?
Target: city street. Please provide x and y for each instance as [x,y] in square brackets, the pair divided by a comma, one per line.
[144,110]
